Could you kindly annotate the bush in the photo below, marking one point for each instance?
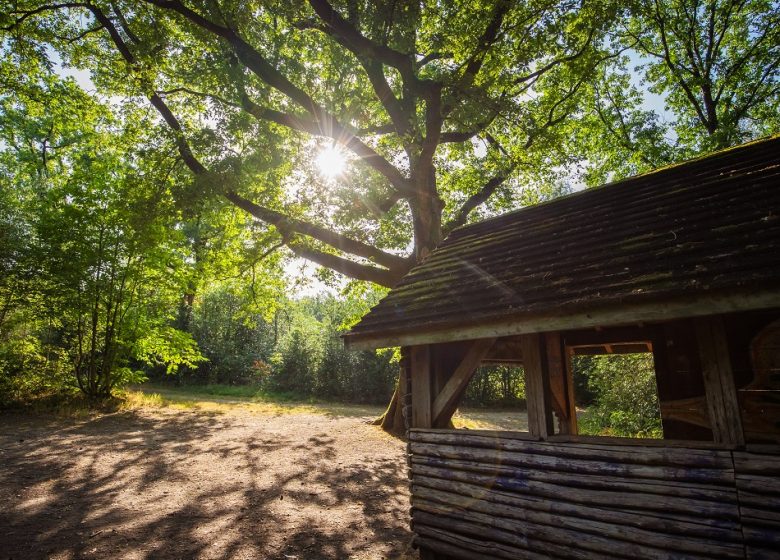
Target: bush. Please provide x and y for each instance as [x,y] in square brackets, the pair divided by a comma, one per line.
[296,370]
[28,371]
[502,386]
[625,395]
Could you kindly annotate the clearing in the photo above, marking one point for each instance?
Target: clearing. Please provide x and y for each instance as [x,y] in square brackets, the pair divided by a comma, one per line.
[199,477]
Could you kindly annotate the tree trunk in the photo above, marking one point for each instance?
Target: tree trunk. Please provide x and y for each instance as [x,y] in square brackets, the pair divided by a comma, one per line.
[393,420]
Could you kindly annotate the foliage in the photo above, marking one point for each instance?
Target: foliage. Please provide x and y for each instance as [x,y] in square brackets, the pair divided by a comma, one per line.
[502,386]
[155,209]
[90,257]
[237,343]
[625,395]
[683,78]
[717,64]
[439,108]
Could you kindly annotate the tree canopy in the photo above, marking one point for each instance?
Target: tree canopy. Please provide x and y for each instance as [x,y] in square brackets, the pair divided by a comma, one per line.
[356,134]
[443,110]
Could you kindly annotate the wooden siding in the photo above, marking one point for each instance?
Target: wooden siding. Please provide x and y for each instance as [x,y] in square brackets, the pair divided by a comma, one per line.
[758,490]
[503,495]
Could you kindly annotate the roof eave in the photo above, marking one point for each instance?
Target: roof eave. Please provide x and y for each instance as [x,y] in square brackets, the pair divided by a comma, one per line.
[614,315]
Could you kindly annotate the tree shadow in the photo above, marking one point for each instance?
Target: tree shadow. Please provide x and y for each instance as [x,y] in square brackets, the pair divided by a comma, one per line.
[194,485]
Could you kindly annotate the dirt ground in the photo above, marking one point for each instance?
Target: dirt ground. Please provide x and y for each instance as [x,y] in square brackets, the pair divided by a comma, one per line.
[194,483]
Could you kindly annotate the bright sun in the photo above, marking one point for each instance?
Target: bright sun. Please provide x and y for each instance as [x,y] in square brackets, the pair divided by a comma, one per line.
[331,161]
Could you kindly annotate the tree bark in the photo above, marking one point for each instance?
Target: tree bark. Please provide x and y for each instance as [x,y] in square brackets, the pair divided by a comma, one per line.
[393,420]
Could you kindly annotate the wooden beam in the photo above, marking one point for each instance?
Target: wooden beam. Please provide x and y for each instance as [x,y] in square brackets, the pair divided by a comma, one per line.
[719,388]
[662,310]
[536,387]
[447,400]
[421,386]
[561,384]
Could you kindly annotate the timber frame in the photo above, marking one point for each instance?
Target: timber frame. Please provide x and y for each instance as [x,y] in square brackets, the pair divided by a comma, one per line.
[683,263]
[710,490]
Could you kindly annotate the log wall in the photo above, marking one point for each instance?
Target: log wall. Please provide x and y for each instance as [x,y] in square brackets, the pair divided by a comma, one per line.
[502,495]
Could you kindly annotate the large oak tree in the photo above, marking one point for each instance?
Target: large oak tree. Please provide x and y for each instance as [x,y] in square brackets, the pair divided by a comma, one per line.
[440,106]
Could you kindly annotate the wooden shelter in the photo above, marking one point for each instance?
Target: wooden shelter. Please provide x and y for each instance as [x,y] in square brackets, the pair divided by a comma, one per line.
[683,262]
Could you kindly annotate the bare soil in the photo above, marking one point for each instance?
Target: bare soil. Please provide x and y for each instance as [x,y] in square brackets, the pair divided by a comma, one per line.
[173,483]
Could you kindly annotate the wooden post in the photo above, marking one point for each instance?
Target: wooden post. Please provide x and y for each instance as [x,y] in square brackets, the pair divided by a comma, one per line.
[536,387]
[421,386]
[561,384]
[447,400]
[721,394]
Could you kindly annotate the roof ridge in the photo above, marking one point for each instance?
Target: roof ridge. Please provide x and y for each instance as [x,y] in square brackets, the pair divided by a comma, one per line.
[731,150]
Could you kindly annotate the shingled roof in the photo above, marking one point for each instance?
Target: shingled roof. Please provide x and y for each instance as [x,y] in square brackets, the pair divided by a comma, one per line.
[706,232]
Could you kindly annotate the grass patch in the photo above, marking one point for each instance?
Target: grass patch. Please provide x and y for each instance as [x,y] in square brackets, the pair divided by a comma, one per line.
[241,392]
[64,404]
[224,398]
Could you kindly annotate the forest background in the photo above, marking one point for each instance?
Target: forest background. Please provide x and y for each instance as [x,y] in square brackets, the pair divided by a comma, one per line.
[155,212]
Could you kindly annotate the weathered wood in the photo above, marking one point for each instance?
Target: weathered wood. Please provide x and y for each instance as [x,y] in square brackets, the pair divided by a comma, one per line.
[760,553]
[608,500]
[536,387]
[449,550]
[700,458]
[421,386]
[758,492]
[561,385]
[505,542]
[605,441]
[722,404]
[603,498]
[641,442]
[576,465]
[541,510]
[447,400]
[457,545]
[720,494]
[758,464]
[596,536]
[615,315]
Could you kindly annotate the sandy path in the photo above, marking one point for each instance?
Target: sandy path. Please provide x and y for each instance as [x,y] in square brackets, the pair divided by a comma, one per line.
[191,484]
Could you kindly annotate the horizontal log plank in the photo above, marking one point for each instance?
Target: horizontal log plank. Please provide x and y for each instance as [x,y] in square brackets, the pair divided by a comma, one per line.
[770,502]
[522,546]
[594,442]
[566,464]
[606,497]
[546,525]
[695,525]
[761,535]
[459,546]
[541,538]
[458,551]
[717,459]
[721,494]
[757,483]
[753,463]
[760,553]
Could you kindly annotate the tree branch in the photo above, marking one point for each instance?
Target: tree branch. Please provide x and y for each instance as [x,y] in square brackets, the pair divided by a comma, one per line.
[360,45]
[288,226]
[352,269]
[478,198]
[285,224]
[326,123]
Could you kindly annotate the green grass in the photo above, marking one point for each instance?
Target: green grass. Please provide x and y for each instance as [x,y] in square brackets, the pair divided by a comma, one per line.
[225,398]
[250,392]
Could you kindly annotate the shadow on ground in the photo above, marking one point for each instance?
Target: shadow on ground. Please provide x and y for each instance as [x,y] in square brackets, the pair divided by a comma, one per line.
[183,484]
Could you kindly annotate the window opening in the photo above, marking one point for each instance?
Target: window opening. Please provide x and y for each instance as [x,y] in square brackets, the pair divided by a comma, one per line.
[615,390]
[494,400]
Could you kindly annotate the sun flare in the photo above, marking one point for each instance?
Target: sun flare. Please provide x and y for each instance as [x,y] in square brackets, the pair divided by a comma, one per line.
[331,161]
